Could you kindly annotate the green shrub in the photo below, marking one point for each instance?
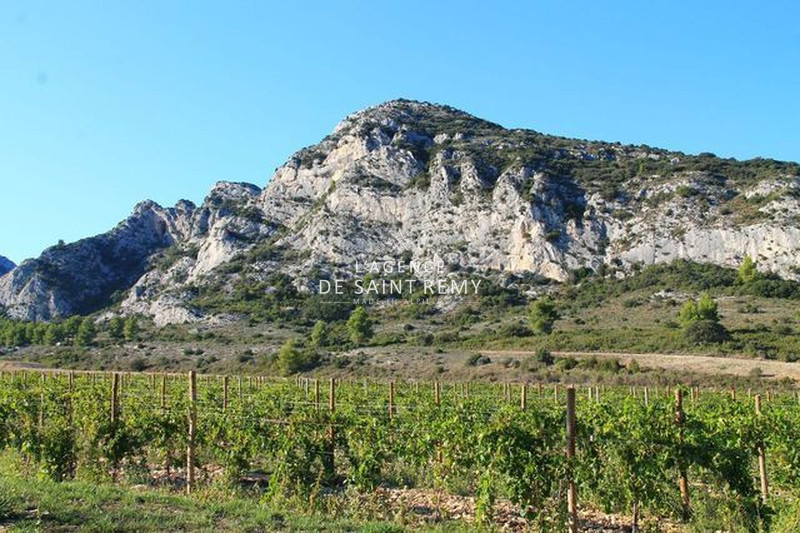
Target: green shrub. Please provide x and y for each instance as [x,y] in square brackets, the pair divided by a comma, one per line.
[705,332]
[319,334]
[131,328]
[566,363]
[321,307]
[292,359]
[514,330]
[705,309]
[477,359]
[748,270]
[359,326]
[545,357]
[543,315]
[139,364]
[86,332]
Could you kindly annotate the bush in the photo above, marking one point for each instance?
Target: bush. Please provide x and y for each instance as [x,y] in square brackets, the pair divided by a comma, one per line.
[566,363]
[543,315]
[748,270]
[445,337]
[131,328]
[115,327]
[477,359]
[424,338]
[319,334]
[705,332]
[292,359]
[705,309]
[602,365]
[359,326]
[320,307]
[514,330]
[139,364]
[749,308]
[545,357]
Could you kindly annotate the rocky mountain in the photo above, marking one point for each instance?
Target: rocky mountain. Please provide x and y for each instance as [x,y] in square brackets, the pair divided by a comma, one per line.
[6,265]
[420,180]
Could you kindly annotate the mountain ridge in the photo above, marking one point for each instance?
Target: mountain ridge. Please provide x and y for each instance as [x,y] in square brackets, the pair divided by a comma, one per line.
[6,265]
[425,180]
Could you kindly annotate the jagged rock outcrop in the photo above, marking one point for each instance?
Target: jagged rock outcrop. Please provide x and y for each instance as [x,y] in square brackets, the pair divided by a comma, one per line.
[423,181]
[6,265]
[229,221]
[76,278]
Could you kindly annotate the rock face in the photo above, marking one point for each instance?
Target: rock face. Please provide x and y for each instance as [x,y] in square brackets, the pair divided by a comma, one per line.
[423,181]
[6,265]
[79,277]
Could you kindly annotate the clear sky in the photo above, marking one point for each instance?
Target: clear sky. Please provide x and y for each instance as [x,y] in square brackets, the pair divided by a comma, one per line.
[104,104]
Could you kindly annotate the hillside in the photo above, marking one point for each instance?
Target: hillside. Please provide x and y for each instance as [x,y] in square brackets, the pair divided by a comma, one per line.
[418,180]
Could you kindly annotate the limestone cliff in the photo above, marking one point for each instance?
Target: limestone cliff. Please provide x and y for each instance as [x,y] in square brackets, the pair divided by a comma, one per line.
[423,180]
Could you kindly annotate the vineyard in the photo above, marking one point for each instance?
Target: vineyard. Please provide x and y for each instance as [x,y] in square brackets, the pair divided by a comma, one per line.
[648,454]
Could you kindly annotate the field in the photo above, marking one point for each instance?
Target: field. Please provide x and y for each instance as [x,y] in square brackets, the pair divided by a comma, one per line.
[323,426]
[332,447]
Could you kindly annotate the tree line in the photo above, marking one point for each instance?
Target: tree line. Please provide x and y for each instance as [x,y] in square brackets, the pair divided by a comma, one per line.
[75,331]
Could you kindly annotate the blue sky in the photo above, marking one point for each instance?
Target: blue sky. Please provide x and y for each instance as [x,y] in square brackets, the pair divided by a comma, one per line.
[103,104]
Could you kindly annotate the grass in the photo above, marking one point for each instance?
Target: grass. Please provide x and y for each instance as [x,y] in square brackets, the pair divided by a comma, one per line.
[30,503]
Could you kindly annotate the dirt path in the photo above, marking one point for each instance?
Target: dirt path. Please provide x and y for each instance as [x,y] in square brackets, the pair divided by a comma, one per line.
[686,363]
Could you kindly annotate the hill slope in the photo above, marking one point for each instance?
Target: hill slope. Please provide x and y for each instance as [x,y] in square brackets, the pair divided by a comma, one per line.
[420,180]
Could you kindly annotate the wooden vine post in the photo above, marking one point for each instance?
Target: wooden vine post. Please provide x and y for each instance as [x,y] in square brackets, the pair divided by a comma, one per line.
[391,400]
[330,465]
[114,414]
[437,399]
[523,396]
[190,448]
[762,458]
[70,391]
[572,494]
[316,394]
[225,393]
[163,391]
[114,396]
[684,481]
[41,401]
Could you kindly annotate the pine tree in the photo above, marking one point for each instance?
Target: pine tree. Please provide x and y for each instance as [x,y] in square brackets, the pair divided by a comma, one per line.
[707,308]
[688,313]
[543,315]
[319,334]
[86,332]
[131,328]
[359,326]
[748,270]
[115,327]
[54,334]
